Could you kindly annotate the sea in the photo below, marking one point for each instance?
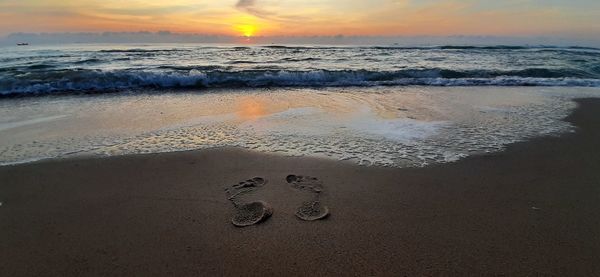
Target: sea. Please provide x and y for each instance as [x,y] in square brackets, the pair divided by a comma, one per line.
[377,105]
[99,68]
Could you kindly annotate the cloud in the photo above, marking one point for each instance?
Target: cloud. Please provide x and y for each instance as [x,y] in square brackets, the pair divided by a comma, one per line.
[307,17]
[251,7]
[242,4]
[276,14]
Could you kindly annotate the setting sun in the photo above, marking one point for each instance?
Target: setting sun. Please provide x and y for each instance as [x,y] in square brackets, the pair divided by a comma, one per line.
[247,30]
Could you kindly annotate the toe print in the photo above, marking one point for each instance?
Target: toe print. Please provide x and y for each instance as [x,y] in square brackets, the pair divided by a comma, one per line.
[247,214]
[313,209]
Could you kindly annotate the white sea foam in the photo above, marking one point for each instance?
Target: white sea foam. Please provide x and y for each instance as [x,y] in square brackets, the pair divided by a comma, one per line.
[386,126]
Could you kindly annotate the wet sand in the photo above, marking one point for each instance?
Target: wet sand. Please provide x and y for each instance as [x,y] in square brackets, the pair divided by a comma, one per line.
[533,209]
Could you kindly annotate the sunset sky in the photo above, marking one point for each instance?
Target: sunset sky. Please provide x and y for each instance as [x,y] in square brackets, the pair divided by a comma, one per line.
[306,17]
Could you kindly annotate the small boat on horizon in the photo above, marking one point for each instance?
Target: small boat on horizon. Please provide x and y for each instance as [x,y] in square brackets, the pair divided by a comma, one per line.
[22,44]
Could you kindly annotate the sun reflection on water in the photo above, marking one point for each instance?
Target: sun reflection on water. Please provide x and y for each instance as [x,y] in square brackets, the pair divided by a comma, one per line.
[250,108]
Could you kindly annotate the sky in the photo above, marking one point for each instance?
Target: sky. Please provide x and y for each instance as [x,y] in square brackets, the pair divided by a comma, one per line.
[567,18]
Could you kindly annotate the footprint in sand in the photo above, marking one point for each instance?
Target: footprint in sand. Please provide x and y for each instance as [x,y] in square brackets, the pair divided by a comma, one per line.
[248,213]
[313,209]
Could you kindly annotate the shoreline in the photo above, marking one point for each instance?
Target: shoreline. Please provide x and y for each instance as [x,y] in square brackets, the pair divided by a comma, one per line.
[531,209]
[150,91]
[397,128]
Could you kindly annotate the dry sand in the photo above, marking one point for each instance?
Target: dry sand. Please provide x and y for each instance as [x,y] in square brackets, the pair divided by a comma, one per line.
[531,210]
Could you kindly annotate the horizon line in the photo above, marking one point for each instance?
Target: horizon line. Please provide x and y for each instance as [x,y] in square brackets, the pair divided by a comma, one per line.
[170,33]
[165,36]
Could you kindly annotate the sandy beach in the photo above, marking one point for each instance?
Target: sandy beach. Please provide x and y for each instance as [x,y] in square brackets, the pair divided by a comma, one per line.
[300,138]
[532,210]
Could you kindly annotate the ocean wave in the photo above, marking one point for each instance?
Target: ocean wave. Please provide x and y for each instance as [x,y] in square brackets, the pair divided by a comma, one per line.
[283,60]
[192,67]
[453,47]
[299,59]
[88,61]
[40,66]
[436,47]
[244,62]
[86,80]
[285,47]
[139,50]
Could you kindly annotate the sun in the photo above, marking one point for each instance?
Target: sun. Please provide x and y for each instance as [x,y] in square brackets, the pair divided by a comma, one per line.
[246,30]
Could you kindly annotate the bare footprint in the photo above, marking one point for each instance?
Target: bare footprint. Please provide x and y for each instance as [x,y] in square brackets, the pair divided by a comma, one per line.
[244,187]
[251,213]
[248,213]
[309,210]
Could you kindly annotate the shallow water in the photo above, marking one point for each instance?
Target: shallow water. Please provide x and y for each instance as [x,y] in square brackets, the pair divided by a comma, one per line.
[385,126]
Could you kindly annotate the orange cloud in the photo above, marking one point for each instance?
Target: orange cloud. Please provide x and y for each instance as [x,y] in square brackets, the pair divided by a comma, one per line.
[301,17]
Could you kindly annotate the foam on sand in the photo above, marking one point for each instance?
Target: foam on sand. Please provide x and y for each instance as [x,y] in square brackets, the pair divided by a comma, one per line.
[384,126]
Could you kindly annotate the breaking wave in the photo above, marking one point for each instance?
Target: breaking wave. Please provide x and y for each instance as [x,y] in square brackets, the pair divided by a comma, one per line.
[101,68]
[80,80]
